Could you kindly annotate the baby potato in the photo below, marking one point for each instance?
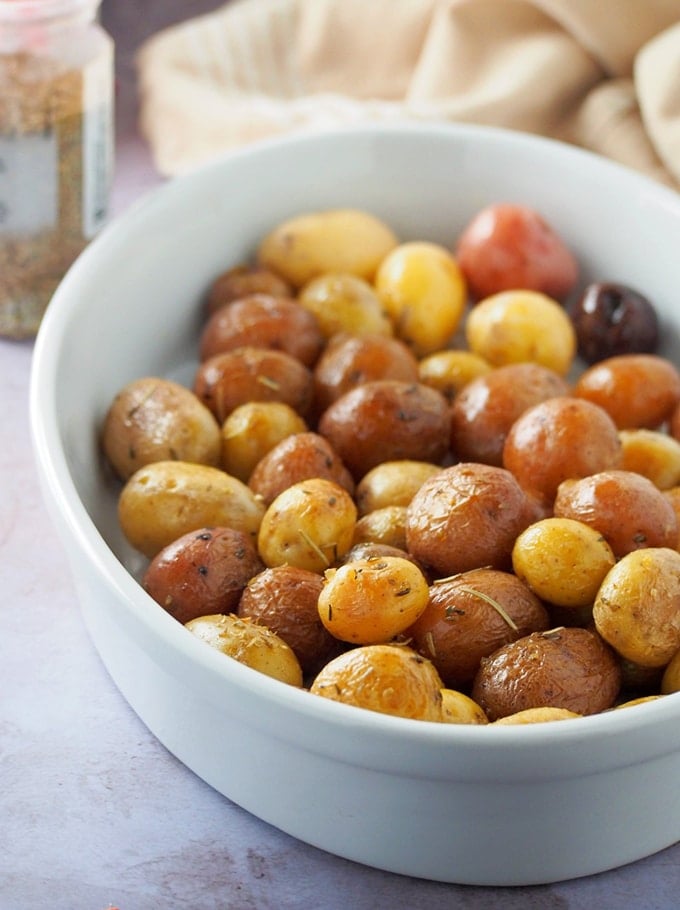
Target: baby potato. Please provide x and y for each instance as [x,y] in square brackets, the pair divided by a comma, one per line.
[653,454]
[252,430]
[387,420]
[670,681]
[465,517]
[334,240]
[458,708]
[370,601]
[558,439]
[249,643]
[536,716]
[484,411]
[167,499]
[522,326]
[386,526]
[637,609]
[153,419]
[233,378]
[263,321]
[297,458]
[284,599]
[343,303]
[636,390]
[202,572]
[386,678]
[569,668]
[241,281]
[424,292]
[449,371]
[392,483]
[562,560]
[507,246]
[309,525]
[471,615]
[623,506]
[351,360]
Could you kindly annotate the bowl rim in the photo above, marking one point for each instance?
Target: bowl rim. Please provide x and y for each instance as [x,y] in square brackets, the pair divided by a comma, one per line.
[75,523]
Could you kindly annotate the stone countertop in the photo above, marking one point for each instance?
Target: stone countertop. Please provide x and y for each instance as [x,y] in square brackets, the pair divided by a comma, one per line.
[95,813]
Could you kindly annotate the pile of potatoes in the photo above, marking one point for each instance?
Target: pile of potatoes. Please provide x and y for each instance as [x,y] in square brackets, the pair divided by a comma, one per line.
[390,485]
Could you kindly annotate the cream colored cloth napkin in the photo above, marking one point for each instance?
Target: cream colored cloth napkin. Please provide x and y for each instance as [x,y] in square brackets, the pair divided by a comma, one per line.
[602,74]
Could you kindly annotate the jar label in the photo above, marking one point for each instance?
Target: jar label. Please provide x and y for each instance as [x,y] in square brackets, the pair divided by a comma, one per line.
[29,192]
[97,143]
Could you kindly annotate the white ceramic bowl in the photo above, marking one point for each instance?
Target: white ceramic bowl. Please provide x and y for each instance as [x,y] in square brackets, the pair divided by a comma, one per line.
[495,806]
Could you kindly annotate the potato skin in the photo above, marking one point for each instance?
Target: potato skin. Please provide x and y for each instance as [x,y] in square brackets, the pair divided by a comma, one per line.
[249,643]
[153,419]
[465,517]
[569,668]
[463,623]
[387,420]
[242,281]
[389,679]
[233,378]
[167,499]
[284,599]
[263,321]
[296,458]
[637,609]
[202,572]
[334,240]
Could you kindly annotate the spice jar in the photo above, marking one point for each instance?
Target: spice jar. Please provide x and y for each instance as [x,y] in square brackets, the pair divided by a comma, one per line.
[56,149]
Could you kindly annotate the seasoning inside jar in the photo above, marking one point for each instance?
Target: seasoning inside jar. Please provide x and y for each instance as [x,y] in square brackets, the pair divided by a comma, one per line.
[56,125]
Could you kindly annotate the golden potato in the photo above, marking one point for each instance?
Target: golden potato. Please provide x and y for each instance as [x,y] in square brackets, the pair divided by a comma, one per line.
[249,643]
[458,708]
[392,483]
[637,609]
[653,454]
[343,303]
[153,419]
[425,293]
[389,679]
[562,560]
[309,525]
[167,499]
[536,716]
[252,430]
[449,371]
[334,240]
[370,601]
[385,526]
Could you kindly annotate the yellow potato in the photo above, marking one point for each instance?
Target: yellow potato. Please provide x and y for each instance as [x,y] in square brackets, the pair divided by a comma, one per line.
[389,679]
[458,708]
[392,483]
[167,499]
[153,419]
[450,370]
[309,525]
[252,430]
[653,454]
[345,303]
[637,609]
[384,526]
[251,644]
[424,292]
[563,561]
[536,716]
[522,326]
[370,601]
[670,681]
[335,240]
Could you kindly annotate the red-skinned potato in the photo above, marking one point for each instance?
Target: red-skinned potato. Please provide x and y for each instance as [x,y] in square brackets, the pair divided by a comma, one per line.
[507,246]
[203,572]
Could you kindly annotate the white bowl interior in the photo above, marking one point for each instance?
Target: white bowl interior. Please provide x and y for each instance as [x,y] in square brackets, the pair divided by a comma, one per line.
[479,805]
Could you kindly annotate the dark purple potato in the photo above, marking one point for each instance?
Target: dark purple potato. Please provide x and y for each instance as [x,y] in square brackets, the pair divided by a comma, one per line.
[611,319]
